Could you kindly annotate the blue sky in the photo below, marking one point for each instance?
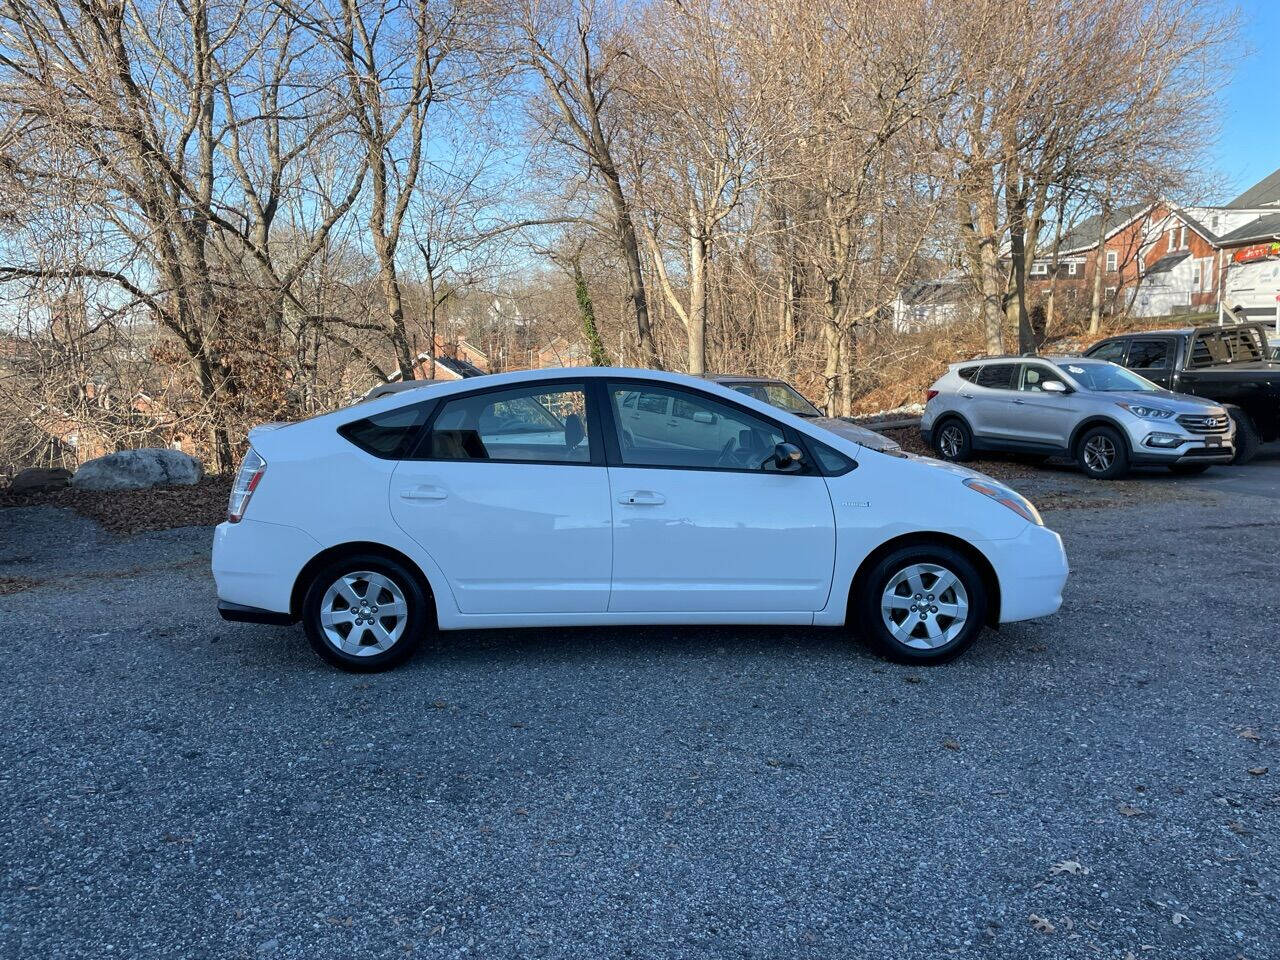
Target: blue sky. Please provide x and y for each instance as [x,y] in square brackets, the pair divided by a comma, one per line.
[1250,145]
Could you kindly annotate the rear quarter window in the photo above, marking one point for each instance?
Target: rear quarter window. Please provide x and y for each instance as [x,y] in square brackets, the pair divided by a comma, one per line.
[390,434]
[968,373]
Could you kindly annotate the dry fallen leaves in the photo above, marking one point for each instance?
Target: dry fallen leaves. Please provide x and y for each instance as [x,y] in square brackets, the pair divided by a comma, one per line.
[1248,733]
[950,744]
[1041,924]
[1258,771]
[1129,810]
[1179,919]
[1073,867]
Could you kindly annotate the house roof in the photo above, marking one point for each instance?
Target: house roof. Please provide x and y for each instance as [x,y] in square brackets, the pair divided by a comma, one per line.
[1167,263]
[460,367]
[1264,228]
[1084,235]
[1264,193]
[934,292]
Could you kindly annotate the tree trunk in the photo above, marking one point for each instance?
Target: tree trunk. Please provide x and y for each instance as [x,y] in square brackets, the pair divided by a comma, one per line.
[1099,269]
[697,297]
[587,311]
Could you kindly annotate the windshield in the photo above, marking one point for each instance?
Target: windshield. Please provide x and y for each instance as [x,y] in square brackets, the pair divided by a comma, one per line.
[780,394]
[1106,377]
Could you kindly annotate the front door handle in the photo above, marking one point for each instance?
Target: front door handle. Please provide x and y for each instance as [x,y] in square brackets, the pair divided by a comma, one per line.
[642,498]
[423,492]
[1019,402]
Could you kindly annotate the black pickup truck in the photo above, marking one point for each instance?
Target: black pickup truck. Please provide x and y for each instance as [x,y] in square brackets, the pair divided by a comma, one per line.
[1230,364]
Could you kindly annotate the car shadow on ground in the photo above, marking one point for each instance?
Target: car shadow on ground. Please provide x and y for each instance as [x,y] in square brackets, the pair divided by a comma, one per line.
[286,647]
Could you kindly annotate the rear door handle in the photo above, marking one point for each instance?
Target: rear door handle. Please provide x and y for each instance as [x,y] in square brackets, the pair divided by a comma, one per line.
[642,498]
[423,492]
[967,396]
[1019,401]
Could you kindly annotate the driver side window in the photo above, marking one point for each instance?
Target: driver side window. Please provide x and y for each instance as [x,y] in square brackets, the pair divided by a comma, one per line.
[701,432]
[1034,377]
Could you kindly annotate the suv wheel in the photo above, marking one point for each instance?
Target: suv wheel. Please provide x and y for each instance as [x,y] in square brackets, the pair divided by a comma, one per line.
[364,613]
[1247,438]
[1102,454]
[922,604]
[953,441]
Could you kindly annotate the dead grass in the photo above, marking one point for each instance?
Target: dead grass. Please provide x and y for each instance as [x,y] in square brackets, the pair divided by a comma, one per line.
[133,511]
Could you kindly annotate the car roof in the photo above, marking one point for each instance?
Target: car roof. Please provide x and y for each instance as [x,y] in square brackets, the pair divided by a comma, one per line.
[740,378]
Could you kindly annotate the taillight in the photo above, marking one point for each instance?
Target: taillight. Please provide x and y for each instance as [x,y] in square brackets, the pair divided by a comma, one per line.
[247,480]
[929,395]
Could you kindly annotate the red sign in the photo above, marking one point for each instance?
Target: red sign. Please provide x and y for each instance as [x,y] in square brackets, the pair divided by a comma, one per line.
[1258,251]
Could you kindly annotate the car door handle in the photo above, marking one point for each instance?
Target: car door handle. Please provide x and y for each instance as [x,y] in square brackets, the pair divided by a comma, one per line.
[673,423]
[642,498]
[967,396]
[1019,402]
[423,492]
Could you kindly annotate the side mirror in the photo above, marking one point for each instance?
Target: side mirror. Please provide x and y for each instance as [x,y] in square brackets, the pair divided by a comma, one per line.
[704,416]
[1055,386]
[787,455]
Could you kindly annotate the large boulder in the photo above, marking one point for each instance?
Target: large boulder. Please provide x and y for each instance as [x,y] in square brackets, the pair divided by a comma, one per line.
[37,479]
[137,470]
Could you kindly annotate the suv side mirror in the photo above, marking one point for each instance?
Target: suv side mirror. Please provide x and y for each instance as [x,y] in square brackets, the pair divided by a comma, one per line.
[1055,386]
[787,455]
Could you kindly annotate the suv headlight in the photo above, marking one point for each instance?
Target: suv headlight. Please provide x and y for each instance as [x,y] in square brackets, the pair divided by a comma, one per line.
[1146,412]
[1014,501]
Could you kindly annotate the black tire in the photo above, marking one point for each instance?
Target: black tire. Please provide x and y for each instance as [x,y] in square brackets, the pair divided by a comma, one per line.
[1102,453]
[866,605]
[954,429]
[417,614]
[1189,469]
[1247,437]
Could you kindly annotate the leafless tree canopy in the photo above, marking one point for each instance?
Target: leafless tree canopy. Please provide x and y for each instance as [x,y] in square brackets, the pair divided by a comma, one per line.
[218,213]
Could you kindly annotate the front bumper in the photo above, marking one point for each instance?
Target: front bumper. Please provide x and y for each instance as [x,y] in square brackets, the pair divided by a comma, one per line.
[1179,446]
[1032,569]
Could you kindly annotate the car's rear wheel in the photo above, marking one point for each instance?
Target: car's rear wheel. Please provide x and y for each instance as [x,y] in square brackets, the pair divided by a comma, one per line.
[364,613]
[1189,469]
[922,604]
[1247,437]
[1102,454]
[952,440]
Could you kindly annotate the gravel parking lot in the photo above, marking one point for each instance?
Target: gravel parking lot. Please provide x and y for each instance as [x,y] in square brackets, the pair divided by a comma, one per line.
[1105,783]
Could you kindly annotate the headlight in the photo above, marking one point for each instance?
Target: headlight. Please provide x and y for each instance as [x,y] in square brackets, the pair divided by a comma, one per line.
[1145,412]
[1014,501]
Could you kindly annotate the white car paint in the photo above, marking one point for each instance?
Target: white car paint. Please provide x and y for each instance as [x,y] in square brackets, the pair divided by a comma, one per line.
[515,544]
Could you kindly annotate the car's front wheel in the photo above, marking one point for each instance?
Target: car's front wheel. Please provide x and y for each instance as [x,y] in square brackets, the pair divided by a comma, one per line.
[1102,454]
[364,613]
[922,604]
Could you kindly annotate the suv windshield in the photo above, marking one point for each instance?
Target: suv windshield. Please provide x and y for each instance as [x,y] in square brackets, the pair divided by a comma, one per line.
[1106,377]
[778,393]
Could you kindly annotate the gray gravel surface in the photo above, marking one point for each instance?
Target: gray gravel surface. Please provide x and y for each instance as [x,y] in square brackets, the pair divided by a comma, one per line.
[175,786]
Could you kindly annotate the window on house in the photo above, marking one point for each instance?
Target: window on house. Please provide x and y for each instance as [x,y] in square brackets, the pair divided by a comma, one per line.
[1195,276]
[1173,239]
[1111,293]
[1182,237]
[1071,269]
[1113,261]
[1039,268]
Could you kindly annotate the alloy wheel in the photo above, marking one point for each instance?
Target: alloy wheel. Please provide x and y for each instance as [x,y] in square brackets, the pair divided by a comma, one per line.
[363,613]
[925,606]
[1099,453]
[949,441]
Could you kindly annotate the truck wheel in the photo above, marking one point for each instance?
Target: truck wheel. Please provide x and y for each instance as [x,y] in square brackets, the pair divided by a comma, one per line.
[1102,454]
[1247,438]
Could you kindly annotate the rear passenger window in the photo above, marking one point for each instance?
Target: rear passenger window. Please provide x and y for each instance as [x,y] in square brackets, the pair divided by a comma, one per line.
[1149,354]
[539,424]
[997,376]
[968,373]
[388,435]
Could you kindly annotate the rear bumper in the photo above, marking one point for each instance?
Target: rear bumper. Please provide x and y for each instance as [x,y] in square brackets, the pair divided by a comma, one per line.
[239,613]
[256,564]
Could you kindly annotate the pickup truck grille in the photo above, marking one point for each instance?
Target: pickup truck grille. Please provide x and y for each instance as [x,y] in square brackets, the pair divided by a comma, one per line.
[1195,423]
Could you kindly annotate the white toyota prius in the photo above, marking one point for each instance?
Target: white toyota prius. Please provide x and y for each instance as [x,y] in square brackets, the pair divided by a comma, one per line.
[607,496]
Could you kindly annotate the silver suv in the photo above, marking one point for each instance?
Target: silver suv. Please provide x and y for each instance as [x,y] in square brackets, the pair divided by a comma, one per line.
[1101,415]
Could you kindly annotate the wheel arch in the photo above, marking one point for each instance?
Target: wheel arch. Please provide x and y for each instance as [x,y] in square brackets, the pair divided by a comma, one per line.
[932,538]
[952,415]
[329,554]
[1098,420]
